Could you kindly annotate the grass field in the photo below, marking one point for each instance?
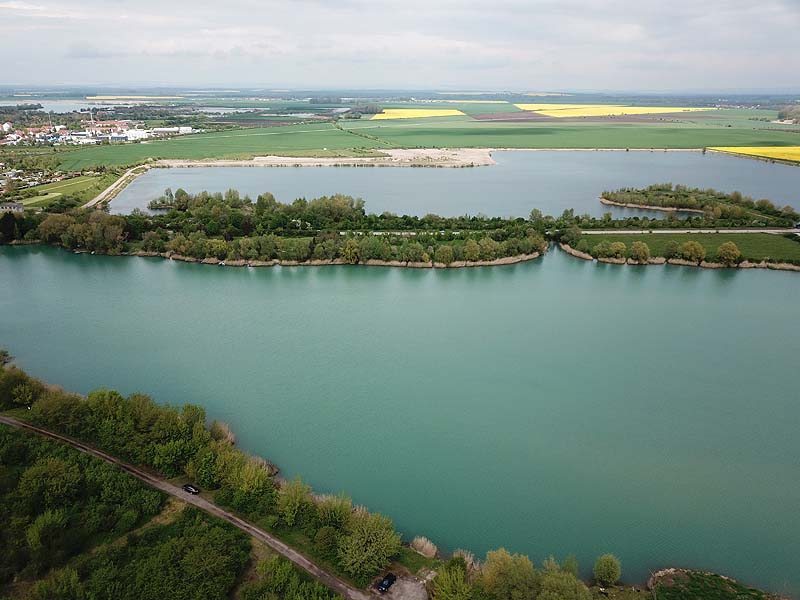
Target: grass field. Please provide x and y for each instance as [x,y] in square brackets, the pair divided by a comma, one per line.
[753,246]
[790,153]
[460,133]
[240,143]
[416,113]
[444,132]
[83,188]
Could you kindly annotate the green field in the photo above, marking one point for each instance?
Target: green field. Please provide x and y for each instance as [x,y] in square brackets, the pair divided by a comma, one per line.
[462,133]
[728,128]
[84,188]
[753,246]
[239,143]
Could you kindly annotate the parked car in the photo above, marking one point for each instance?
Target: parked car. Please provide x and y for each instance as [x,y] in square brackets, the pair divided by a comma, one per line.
[189,488]
[387,582]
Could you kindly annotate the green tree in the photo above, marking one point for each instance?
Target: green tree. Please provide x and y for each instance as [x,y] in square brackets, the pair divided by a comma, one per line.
[444,254]
[23,394]
[618,249]
[692,251]
[558,584]
[509,576]
[294,498]
[368,545]
[671,249]
[640,252]
[472,250]
[350,251]
[728,253]
[5,357]
[607,569]
[451,582]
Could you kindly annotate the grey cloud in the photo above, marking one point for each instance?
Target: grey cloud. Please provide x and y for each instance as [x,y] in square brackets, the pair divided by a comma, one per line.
[508,44]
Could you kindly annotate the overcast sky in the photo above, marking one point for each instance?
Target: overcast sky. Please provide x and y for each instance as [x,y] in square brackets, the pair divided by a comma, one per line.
[519,45]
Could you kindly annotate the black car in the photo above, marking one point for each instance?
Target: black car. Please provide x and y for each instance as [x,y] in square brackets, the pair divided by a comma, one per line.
[190,489]
[387,582]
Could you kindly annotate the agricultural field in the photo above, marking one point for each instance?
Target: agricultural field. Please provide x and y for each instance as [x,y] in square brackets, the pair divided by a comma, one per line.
[790,153]
[472,125]
[753,246]
[239,143]
[416,113]
[602,110]
[460,133]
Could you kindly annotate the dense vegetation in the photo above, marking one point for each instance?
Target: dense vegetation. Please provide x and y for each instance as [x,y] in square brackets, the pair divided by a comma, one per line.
[725,248]
[734,209]
[696,585]
[228,227]
[56,503]
[196,556]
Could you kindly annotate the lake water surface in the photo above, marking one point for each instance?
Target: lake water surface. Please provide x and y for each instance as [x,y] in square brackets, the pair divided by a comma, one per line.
[549,180]
[555,406]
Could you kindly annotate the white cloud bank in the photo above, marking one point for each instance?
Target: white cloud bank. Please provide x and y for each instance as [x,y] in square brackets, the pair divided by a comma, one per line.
[505,44]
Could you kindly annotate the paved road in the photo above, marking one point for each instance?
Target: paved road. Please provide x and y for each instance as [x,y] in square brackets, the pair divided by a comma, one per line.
[667,231]
[332,581]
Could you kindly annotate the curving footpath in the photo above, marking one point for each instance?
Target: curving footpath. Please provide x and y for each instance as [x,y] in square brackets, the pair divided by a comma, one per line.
[332,581]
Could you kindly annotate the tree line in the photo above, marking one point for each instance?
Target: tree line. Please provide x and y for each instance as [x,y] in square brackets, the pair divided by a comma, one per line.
[347,538]
[716,205]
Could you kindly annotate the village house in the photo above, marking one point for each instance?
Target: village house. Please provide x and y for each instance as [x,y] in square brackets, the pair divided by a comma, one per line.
[11,207]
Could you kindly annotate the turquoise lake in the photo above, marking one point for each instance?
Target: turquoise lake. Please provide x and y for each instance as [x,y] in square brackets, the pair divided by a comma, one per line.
[551,181]
[552,407]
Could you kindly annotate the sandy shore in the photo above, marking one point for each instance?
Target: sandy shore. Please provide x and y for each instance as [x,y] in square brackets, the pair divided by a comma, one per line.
[421,157]
[660,260]
[647,207]
[506,260]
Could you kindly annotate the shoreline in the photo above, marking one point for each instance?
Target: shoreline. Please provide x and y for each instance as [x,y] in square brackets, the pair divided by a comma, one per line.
[660,260]
[668,209]
[393,157]
[334,262]
[782,161]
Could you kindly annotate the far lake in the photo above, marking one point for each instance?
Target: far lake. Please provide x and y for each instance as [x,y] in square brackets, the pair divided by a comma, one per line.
[554,406]
[551,181]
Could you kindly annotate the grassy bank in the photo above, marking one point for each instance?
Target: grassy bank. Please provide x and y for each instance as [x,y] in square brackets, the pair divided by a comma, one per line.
[754,247]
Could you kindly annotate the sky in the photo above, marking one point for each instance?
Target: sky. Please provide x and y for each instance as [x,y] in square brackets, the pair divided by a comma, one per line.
[519,45]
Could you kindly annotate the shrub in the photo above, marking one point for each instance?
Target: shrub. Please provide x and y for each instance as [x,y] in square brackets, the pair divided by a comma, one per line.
[607,569]
[444,254]
[671,249]
[692,251]
[424,546]
[728,253]
[640,252]
[618,249]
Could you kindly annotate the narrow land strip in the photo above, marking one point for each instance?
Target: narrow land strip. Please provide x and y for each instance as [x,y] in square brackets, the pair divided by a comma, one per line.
[159,483]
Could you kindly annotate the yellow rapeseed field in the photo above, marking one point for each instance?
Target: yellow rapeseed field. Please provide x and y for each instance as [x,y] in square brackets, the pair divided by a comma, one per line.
[777,152]
[602,110]
[416,113]
[134,97]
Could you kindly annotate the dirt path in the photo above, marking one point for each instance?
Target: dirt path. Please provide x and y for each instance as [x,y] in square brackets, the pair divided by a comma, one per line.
[111,191]
[330,580]
[668,231]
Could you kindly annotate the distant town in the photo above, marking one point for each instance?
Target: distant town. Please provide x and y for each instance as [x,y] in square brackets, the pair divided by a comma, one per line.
[92,132]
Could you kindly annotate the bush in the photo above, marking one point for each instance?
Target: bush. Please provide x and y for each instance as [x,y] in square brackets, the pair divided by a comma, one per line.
[728,254]
[618,249]
[424,546]
[692,251]
[607,569]
[640,252]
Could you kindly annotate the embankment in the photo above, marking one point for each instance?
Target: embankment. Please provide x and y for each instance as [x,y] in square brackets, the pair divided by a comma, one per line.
[660,260]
